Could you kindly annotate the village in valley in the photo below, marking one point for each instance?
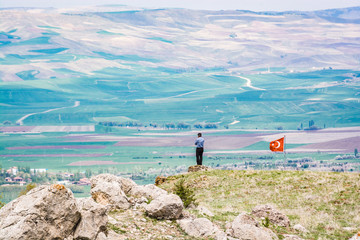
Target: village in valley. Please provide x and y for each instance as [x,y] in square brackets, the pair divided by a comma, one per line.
[22,176]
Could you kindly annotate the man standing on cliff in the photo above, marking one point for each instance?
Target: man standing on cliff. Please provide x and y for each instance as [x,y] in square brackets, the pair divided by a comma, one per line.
[199,149]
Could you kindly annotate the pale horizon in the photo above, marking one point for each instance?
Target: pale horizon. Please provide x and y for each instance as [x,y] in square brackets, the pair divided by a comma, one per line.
[252,5]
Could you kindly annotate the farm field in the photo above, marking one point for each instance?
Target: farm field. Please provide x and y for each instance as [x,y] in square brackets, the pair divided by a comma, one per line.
[131,150]
[219,98]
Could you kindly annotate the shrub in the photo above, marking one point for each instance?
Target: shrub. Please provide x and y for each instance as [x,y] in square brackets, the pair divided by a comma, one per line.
[266,222]
[185,193]
[27,189]
[1,202]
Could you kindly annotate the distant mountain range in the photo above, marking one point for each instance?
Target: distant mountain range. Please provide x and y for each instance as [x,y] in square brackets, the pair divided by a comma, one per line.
[179,65]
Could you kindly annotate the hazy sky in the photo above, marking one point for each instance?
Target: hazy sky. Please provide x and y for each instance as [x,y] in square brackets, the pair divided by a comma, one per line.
[254,5]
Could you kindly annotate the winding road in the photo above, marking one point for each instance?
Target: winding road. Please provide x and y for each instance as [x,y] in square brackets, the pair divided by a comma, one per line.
[21,120]
[248,84]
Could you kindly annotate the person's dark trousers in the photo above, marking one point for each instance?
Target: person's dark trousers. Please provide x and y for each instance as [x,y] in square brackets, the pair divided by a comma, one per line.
[199,155]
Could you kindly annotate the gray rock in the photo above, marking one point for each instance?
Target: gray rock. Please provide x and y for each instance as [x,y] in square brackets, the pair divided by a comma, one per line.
[244,227]
[45,212]
[244,218]
[202,228]
[300,228]
[198,168]
[291,237]
[112,220]
[148,191]
[127,184]
[167,206]
[101,236]
[220,235]
[273,214]
[186,214]
[199,227]
[204,211]
[107,189]
[93,219]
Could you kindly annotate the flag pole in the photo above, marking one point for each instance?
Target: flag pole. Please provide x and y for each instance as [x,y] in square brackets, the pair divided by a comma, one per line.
[284,150]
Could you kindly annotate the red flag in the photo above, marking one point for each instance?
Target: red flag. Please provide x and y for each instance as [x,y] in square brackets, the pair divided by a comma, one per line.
[277,145]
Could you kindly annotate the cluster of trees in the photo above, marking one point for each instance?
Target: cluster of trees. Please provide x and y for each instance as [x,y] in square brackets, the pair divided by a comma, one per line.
[206,125]
[181,125]
[188,126]
[118,124]
[312,126]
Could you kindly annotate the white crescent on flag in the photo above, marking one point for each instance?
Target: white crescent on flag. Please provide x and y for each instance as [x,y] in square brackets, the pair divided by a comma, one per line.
[277,145]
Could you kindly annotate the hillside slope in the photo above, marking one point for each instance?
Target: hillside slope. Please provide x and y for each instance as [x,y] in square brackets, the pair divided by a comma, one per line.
[325,203]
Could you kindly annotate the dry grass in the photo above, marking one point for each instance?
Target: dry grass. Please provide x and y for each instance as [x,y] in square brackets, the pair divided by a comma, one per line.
[323,202]
[132,224]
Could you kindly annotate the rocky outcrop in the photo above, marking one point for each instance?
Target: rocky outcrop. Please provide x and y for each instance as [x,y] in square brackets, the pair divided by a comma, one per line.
[93,219]
[149,191]
[159,180]
[46,212]
[199,227]
[126,184]
[197,168]
[245,227]
[107,189]
[166,206]
[274,216]
[52,212]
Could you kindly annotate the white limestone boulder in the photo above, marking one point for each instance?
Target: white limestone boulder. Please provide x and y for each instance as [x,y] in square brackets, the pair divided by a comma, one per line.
[274,216]
[45,212]
[107,189]
[199,227]
[93,219]
[245,227]
[166,206]
[149,191]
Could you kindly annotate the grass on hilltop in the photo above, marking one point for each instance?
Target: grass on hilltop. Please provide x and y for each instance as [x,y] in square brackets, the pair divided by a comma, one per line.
[325,203]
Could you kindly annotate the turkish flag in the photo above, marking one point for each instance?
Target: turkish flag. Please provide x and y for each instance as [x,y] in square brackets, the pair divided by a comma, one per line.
[277,145]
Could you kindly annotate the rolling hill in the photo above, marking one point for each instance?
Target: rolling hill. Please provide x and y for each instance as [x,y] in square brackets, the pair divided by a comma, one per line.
[249,69]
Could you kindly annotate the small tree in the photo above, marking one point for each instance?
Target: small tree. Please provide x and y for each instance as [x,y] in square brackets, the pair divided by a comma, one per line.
[311,123]
[356,152]
[185,193]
